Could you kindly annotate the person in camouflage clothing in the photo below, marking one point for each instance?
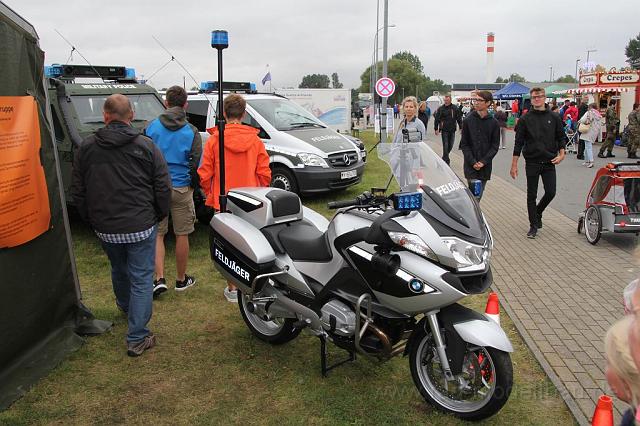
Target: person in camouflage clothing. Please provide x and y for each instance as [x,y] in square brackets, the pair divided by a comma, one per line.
[612,129]
[634,131]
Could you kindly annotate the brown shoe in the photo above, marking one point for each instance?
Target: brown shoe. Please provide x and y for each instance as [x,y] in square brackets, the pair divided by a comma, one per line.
[136,349]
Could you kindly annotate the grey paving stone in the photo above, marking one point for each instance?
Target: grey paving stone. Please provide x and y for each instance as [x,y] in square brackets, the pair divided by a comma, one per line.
[563,309]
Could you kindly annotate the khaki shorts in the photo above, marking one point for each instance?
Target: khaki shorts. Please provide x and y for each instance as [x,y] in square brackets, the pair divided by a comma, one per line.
[183,212]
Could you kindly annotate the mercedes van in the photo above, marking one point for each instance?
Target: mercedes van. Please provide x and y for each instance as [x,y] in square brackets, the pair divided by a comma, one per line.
[306,156]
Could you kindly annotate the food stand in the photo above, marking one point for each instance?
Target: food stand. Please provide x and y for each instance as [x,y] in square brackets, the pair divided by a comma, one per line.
[622,85]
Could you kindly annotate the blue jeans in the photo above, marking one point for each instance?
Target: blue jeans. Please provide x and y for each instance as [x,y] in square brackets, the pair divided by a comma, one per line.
[447,144]
[132,268]
[588,151]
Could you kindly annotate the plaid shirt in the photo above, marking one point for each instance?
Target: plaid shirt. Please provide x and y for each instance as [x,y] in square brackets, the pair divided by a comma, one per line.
[133,237]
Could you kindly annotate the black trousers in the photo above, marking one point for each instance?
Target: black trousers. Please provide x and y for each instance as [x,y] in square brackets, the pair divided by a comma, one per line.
[534,172]
[447,144]
[580,148]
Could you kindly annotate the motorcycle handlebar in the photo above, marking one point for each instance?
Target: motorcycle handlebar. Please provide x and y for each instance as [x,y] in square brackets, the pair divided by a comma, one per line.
[339,204]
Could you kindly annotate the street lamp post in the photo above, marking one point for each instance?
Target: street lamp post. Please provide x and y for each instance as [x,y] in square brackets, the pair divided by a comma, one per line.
[577,60]
[383,115]
[550,73]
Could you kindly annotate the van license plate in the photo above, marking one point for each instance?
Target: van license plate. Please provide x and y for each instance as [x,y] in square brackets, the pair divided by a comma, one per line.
[348,174]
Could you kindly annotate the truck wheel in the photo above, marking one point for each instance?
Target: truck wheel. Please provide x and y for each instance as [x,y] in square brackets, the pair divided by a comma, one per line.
[283,178]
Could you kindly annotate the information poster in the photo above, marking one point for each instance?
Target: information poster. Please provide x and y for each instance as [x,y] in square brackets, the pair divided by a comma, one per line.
[24,200]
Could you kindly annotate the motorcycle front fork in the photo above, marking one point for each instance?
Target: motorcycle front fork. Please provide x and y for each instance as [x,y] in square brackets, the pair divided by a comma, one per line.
[440,346]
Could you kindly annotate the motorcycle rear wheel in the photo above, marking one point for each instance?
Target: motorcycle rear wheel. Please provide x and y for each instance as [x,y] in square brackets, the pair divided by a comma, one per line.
[480,390]
[276,331]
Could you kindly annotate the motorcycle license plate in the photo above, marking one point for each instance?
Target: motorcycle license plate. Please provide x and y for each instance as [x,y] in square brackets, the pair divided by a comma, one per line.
[348,174]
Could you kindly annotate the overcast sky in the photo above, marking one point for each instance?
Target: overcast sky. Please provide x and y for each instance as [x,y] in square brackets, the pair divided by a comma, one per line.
[299,37]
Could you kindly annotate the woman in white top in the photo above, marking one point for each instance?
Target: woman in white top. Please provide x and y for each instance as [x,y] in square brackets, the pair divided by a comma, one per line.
[410,121]
[593,119]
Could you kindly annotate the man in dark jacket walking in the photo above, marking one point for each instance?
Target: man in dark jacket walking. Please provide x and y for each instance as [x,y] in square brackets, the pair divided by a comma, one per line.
[181,146]
[444,122]
[480,140]
[120,186]
[541,139]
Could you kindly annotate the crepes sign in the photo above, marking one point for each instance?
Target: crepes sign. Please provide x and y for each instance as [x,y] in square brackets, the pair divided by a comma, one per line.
[24,200]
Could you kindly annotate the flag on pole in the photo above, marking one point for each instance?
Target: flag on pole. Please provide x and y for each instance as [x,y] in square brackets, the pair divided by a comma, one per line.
[267,77]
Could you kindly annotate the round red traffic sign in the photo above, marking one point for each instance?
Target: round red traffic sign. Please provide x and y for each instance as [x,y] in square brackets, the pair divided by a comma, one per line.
[385,87]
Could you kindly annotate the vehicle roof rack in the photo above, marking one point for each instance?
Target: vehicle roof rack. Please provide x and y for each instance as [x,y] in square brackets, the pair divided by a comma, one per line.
[70,72]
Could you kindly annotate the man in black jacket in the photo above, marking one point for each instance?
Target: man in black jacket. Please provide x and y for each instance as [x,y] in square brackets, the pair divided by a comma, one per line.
[541,139]
[120,186]
[444,121]
[480,139]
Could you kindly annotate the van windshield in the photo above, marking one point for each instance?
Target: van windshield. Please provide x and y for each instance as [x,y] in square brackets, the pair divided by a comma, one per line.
[284,114]
[147,107]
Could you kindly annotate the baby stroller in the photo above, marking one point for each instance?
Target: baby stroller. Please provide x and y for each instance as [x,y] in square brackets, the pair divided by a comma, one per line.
[572,137]
[613,203]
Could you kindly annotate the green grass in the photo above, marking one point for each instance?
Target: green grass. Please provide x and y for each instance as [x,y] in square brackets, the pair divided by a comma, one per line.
[208,369]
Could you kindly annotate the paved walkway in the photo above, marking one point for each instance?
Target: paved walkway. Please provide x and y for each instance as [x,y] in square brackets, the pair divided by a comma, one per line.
[561,292]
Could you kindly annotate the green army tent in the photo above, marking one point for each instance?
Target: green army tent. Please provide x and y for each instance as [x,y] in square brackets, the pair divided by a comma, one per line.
[41,314]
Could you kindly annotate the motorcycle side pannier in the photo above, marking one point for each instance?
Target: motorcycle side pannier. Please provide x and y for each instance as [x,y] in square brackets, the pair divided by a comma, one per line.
[239,251]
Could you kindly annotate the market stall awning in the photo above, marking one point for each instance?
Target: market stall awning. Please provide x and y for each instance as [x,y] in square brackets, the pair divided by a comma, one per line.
[580,90]
[513,90]
[552,91]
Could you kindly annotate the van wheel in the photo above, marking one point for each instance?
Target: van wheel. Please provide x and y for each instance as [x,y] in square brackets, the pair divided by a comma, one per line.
[282,178]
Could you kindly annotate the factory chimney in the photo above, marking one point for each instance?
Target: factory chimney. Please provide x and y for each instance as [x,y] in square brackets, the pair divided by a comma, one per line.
[491,76]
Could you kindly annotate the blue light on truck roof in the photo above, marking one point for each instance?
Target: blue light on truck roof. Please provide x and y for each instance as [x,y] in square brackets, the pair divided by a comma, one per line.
[130,73]
[219,39]
[253,87]
[208,86]
[53,71]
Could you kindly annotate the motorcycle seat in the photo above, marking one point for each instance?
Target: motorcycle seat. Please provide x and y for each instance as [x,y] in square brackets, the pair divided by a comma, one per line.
[303,242]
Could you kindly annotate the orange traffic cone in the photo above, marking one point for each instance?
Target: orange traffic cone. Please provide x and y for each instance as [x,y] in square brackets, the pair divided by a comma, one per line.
[603,415]
[493,308]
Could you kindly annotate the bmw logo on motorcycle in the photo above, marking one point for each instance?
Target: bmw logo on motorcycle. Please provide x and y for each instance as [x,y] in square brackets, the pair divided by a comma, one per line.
[416,285]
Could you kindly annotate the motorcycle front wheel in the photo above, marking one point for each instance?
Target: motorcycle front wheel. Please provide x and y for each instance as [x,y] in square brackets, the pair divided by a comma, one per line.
[275,331]
[478,392]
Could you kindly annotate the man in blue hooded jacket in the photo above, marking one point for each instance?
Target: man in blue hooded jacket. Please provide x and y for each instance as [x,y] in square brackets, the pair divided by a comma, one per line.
[181,146]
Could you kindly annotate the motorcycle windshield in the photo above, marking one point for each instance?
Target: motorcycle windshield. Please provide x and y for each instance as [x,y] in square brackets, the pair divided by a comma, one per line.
[416,167]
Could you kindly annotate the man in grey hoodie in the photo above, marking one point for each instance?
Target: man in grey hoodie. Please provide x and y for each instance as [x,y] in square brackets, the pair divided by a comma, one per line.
[181,146]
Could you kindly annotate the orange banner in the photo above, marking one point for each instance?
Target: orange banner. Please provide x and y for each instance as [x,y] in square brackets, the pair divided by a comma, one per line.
[24,200]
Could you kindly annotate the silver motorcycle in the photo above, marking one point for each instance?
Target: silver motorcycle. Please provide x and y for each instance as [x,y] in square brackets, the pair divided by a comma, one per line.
[380,279]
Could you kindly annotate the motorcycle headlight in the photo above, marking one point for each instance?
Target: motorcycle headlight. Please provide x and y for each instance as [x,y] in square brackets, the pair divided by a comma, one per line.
[467,254]
[413,243]
[312,160]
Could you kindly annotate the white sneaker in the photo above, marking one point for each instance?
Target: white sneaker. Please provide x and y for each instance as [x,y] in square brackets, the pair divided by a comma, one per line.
[231,295]
[585,163]
[590,165]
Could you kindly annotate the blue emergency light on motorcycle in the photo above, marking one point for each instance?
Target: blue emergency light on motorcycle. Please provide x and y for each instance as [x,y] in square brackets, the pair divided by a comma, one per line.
[219,39]
[407,201]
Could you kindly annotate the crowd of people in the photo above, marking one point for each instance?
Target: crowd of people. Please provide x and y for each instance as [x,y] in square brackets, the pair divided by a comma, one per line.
[125,184]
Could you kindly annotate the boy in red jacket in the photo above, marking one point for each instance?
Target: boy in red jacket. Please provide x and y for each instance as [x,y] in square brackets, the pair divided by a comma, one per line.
[246,161]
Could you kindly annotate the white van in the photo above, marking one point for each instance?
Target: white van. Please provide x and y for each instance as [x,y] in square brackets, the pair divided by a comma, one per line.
[306,156]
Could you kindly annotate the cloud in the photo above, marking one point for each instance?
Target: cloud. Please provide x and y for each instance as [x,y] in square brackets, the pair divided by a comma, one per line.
[303,37]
